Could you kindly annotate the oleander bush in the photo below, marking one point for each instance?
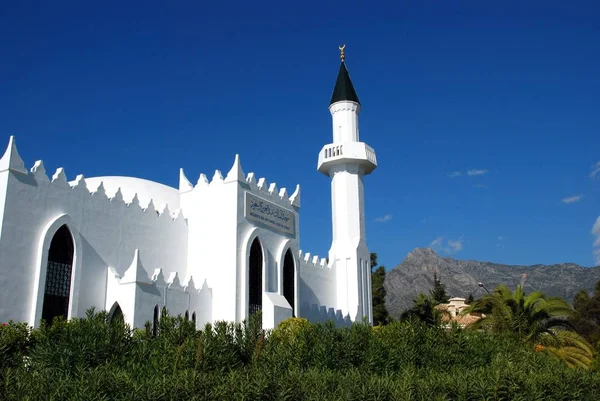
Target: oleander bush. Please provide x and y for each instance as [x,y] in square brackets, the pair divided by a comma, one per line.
[94,359]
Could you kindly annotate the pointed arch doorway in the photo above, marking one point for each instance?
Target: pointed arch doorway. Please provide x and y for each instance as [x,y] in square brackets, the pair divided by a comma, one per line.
[57,289]
[255,273]
[289,285]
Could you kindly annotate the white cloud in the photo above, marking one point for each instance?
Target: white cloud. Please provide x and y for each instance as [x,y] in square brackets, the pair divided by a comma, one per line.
[500,238]
[383,219]
[474,172]
[595,170]
[455,174]
[596,234]
[455,245]
[436,242]
[450,246]
[572,199]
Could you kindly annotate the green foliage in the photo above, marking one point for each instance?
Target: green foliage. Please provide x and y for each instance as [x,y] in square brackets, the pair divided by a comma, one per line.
[535,319]
[424,310]
[374,262]
[438,294]
[470,299]
[380,313]
[586,318]
[94,359]
[14,340]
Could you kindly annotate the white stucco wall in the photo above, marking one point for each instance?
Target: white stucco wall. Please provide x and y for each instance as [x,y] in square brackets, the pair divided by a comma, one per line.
[107,231]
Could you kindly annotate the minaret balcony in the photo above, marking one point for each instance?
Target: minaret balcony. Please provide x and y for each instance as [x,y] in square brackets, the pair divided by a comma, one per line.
[347,153]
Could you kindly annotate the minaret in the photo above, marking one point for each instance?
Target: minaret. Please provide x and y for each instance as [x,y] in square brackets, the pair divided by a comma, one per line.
[347,160]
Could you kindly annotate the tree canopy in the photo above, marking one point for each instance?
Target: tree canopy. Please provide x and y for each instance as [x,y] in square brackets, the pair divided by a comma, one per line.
[536,319]
[438,293]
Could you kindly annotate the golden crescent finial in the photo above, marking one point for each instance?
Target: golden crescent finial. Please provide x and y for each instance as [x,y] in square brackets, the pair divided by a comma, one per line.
[342,50]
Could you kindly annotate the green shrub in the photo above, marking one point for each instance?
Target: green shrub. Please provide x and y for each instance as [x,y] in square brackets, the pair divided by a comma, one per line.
[14,339]
[93,359]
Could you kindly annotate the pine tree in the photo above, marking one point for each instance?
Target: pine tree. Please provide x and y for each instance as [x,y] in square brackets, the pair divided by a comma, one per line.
[586,319]
[373,260]
[470,299]
[438,294]
[380,313]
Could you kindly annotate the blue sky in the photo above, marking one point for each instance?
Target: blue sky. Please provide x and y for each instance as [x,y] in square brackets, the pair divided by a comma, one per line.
[509,92]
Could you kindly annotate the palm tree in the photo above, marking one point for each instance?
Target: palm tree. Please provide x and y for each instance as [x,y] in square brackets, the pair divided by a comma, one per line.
[536,319]
[424,309]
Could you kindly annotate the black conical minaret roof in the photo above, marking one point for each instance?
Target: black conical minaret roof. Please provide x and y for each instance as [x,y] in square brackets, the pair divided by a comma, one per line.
[344,90]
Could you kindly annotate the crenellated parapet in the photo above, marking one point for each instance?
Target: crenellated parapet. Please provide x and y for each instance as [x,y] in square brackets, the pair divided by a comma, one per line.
[136,273]
[37,177]
[249,182]
[139,293]
[317,279]
[319,313]
[306,259]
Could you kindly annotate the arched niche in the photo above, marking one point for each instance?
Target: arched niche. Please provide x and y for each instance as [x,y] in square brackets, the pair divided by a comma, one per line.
[155,321]
[289,279]
[116,314]
[65,224]
[59,271]
[255,277]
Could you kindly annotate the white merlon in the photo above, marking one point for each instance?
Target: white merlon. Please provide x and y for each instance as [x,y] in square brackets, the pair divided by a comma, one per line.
[11,159]
[202,180]
[217,177]
[273,189]
[173,281]
[117,197]
[184,184]
[135,201]
[189,285]
[136,272]
[295,198]
[39,172]
[60,178]
[236,173]
[261,184]
[150,208]
[251,180]
[158,278]
[79,184]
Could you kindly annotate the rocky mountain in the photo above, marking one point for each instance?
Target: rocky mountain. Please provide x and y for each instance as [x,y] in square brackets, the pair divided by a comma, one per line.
[461,277]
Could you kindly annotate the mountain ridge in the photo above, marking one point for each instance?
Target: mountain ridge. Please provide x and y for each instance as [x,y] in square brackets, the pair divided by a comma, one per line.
[461,277]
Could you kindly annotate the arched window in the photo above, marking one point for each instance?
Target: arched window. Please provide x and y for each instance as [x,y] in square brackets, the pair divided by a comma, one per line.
[115,314]
[187,315]
[194,318]
[155,322]
[288,279]
[58,275]
[255,278]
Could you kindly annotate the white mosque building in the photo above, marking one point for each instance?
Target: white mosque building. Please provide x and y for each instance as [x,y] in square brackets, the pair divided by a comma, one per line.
[222,249]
